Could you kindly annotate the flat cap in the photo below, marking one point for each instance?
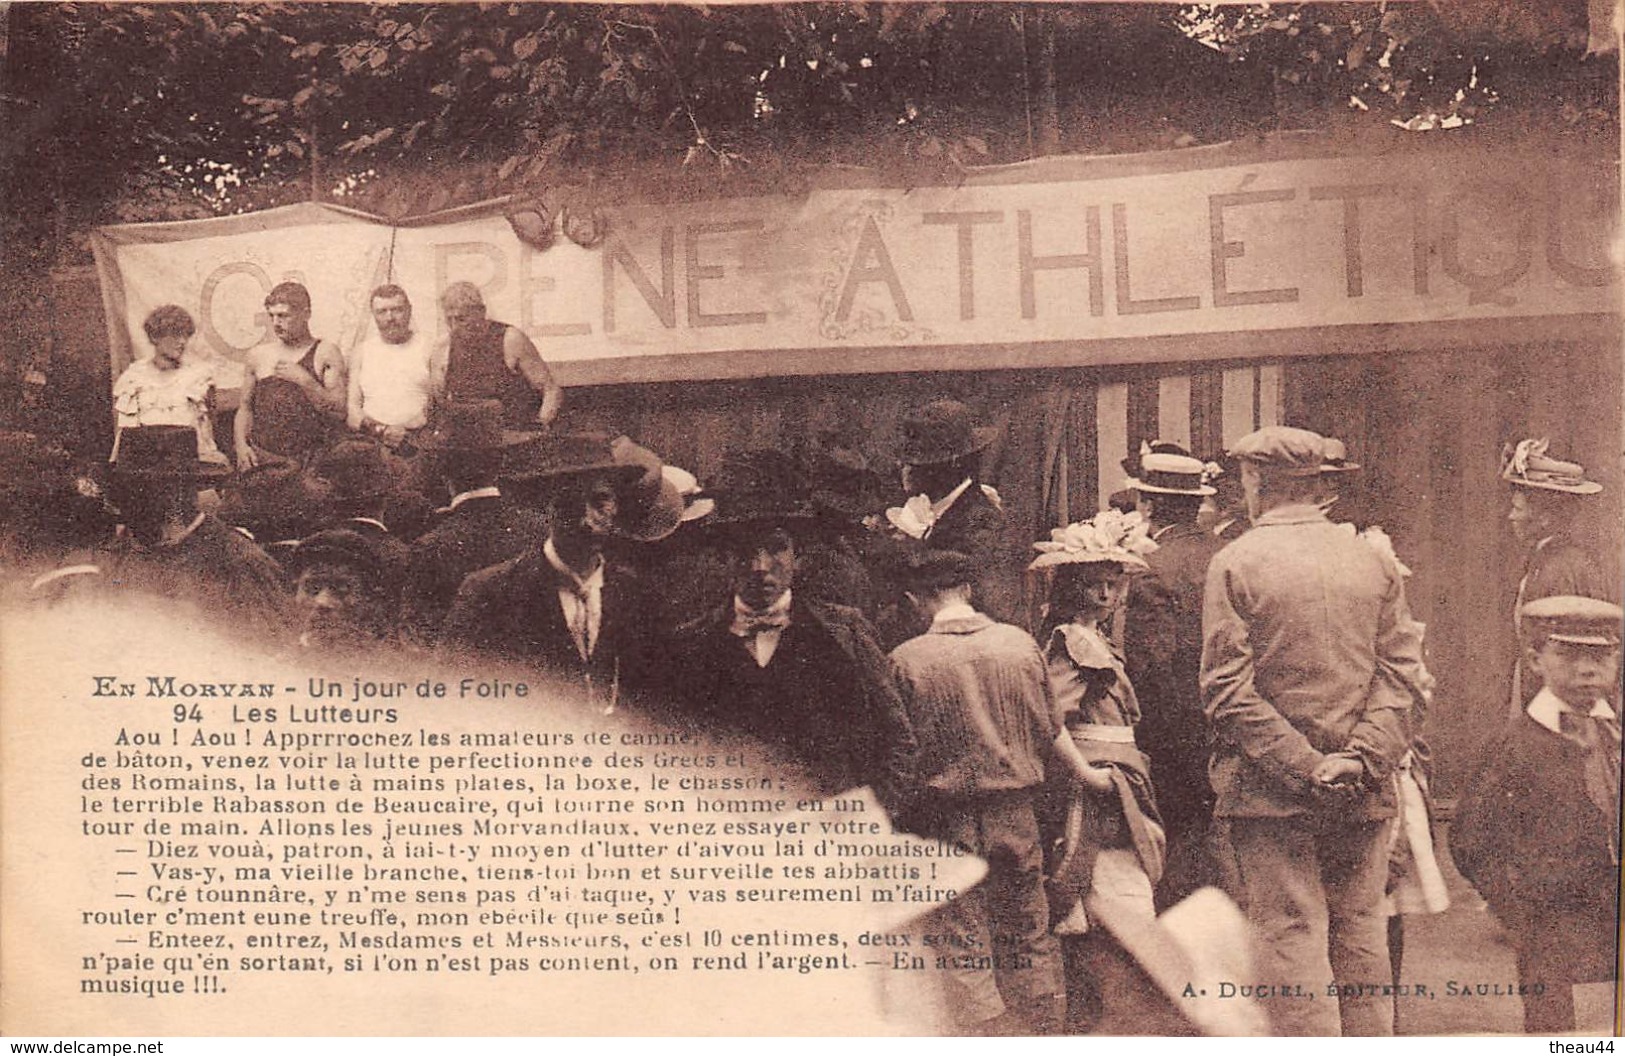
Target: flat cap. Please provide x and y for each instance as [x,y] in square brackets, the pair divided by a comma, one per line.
[1575,619]
[1283,449]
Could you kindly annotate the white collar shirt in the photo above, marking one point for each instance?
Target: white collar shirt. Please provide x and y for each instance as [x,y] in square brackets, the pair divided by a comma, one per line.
[762,641]
[1547,708]
[488,492]
[582,600]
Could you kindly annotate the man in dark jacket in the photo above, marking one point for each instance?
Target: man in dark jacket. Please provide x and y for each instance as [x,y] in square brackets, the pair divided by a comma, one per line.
[171,549]
[479,527]
[947,507]
[803,676]
[1162,651]
[1306,652]
[562,605]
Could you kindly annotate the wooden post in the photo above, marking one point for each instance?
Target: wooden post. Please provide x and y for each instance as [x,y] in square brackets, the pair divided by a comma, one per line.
[1049,118]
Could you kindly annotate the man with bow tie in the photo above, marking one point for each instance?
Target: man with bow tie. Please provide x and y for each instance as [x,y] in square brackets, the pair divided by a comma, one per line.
[1538,834]
[804,676]
[564,605]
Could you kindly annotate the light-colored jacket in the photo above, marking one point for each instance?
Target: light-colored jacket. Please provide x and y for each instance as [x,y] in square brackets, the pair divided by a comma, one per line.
[1308,650]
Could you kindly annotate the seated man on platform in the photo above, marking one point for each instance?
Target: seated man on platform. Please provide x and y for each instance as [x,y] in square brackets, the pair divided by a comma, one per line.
[392,375]
[488,360]
[294,391]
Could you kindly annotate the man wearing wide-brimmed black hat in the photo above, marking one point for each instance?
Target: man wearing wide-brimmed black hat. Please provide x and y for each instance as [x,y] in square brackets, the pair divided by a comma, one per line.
[1162,651]
[947,507]
[803,675]
[346,587]
[480,526]
[172,549]
[563,604]
[941,457]
[360,485]
[47,507]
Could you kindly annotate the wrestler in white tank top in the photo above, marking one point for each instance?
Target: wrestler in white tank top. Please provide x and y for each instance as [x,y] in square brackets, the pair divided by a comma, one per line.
[395,380]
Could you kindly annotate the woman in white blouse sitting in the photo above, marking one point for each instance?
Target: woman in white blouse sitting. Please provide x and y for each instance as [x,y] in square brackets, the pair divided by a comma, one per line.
[165,388]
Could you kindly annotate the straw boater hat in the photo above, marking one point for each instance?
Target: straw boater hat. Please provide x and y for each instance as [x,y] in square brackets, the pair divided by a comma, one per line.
[1108,536]
[1167,469]
[1282,450]
[1335,459]
[161,453]
[1526,465]
[941,431]
[1573,619]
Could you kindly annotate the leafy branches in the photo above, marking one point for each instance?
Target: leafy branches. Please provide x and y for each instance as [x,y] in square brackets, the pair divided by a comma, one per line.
[193,109]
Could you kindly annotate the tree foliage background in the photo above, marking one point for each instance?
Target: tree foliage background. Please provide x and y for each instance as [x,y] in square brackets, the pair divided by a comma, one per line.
[133,112]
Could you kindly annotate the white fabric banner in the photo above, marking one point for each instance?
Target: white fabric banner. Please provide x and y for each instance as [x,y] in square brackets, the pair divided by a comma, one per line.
[1055,262]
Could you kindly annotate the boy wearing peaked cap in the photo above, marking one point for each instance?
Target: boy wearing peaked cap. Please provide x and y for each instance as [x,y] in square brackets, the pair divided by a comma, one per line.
[1538,834]
[1547,497]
